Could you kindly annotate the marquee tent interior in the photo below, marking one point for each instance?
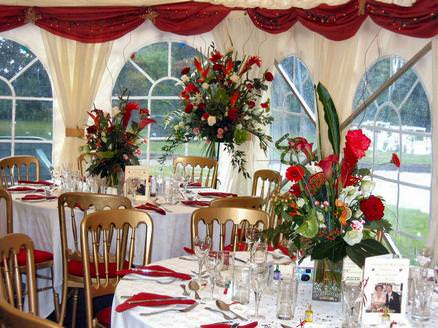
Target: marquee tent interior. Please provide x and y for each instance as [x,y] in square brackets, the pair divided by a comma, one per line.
[58,60]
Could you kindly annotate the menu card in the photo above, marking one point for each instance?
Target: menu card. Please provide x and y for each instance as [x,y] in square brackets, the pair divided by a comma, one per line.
[136,181]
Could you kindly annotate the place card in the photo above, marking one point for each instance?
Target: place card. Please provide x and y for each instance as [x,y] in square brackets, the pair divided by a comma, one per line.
[351,272]
[136,186]
[385,289]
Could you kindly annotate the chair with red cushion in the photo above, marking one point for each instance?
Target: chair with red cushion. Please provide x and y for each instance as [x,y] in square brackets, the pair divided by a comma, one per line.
[99,231]
[43,259]
[19,167]
[72,207]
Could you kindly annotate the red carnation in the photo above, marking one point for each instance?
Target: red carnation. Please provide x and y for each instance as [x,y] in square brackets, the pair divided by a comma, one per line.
[202,106]
[395,160]
[185,70]
[372,208]
[251,104]
[189,108]
[295,173]
[205,116]
[269,77]
[232,114]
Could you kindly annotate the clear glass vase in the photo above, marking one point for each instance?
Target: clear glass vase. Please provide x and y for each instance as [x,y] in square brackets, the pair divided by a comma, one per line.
[327,281]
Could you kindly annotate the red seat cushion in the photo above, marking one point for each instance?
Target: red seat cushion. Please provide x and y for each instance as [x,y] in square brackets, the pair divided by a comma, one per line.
[76,268]
[104,317]
[39,256]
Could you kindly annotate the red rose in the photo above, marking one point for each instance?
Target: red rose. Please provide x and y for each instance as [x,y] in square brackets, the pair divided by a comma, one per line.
[395,160]
[295,190]
[269,77]
[357,142]
[185,70]
[205,116]
[251,104]
[372,208]
[295,173]
[184,95]
[191,88]
[202,106]
[189,108]
[232,114]
[265,104]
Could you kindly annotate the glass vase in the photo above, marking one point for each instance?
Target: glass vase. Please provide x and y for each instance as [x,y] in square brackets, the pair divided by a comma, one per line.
[116,181]
[327,281]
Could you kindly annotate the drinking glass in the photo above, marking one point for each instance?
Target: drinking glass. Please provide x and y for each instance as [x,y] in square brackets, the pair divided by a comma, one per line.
[260,253]
[252,235]
[241,283]
[421,306]
[213,263]
[351,291]
[285,299]
[259,281]
[201,248]
[133,184]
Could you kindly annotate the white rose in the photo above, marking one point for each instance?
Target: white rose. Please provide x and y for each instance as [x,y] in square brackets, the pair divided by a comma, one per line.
[185,78]
[367,186]
[320,217]
[211,120]
[313,168]
[349,194]
[205,85]
[353,237]
[239,126]
[235,78]
[300,202]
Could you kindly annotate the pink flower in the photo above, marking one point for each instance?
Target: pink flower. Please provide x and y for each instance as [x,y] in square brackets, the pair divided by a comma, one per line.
[196,131]
[138,152]
[125,157]
[207,141]
[220,133]
[145,140]
[357,225]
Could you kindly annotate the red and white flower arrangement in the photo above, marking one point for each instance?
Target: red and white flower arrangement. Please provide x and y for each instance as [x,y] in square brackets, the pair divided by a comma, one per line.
[221,103]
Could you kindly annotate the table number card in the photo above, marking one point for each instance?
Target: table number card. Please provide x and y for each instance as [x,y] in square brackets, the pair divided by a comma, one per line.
[351,272]
[386,289]
[136,181]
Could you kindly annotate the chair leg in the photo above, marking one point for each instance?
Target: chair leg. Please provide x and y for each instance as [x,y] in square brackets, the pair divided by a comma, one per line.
[75,299]
[55,295]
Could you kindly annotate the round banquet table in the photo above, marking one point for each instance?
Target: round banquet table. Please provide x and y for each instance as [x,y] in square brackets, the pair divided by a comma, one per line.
[39,220]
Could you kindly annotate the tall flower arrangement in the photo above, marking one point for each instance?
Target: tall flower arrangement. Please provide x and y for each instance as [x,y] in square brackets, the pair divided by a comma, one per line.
[330,211]
[113,141]
[221,104]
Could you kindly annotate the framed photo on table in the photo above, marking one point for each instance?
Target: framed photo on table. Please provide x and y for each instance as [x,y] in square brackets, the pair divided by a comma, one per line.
[136,186]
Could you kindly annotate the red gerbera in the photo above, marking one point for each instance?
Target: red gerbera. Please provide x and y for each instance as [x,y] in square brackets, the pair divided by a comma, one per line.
[295,173]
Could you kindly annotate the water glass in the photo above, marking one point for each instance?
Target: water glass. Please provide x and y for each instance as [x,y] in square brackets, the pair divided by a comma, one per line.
[351,303]
[213,263]
[252,235]
[260,253]
[259,281]
[286,299]
[241,283]
[421,306]
[201,248]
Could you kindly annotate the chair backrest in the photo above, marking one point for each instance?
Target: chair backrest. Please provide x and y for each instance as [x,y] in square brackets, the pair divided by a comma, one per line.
[11,285]
[202,168]
[264,184]
[82,164]
[240,218]
[99,231]
[6,196]
[240,202]
[10,317]
[16,168]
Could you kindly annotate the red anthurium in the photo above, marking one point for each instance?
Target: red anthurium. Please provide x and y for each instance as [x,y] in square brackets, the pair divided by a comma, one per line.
[228,66]
[144,122]
[234,98]
[295,173]
[395,160]
[327,165]
[128,112]
[215,56]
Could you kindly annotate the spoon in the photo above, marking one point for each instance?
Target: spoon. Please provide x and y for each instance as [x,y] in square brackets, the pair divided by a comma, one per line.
[185,292]
[193,285]
[226,307]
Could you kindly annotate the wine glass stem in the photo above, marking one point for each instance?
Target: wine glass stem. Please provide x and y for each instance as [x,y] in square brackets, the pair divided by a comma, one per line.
[257,303]
[211,285]
[200,268]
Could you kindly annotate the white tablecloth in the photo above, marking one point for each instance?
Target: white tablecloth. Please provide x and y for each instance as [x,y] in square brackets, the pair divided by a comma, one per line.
[39,220]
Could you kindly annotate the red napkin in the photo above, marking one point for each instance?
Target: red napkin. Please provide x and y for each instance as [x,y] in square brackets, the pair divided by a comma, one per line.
[189,250]
[167,273]
[149,296]
[241,247]
[37,197]
[195,184]
[18,188]
[195,202]
[229,325]
[37,182]
[216,194]
[151,207]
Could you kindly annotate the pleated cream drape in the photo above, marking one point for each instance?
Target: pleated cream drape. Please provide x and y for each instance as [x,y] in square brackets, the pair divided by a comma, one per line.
[76,70]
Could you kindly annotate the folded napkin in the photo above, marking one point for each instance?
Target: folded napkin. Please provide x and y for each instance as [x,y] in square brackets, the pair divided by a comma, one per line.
[241,247]
[151,207]
[189,250]
[195,202]
[37,197]
[195,184]
[148,297]
[37,182]
[216,194]
[229,325]
[158,271]
[18,188]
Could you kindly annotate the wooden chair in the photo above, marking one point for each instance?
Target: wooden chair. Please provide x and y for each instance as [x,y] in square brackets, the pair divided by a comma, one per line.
[189,164]
[270,181]
[12,246]
[97,232]
[10,317]
[239,217]
[78,204]
[240,202]
[42,259]
[11,169]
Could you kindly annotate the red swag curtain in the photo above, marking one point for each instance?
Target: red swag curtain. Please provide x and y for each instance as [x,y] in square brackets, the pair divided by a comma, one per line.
[100,24]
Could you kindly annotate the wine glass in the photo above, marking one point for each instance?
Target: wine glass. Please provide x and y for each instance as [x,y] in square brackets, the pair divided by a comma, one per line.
[253,235]
[259,281]
[214,263]
[351,291]
[132,187]
[201,248]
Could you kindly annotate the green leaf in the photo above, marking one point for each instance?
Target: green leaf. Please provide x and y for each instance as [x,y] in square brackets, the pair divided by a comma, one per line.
[333,250]
[309,228]
[106,154]
[330,117]
[366,248]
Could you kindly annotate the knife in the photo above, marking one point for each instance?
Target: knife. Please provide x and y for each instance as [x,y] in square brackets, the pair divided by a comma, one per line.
[160,300]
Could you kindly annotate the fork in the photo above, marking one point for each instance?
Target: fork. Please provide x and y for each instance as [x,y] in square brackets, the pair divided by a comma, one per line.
[186,309]
[163,281]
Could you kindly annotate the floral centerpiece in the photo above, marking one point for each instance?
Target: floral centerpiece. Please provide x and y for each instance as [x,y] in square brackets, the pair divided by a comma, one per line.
[221,104]
[113,140]
[330,212]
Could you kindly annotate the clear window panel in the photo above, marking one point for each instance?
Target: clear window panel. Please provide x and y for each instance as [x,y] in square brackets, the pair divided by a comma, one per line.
[5,118]
[389,192]
[415,111]
[159,111]
[5,90]
[182,56]
[34,120]
[5,148]
[14,57]
[132,79]
[153,59]
[167,88]
[34,82]
[416,160]
[42,151]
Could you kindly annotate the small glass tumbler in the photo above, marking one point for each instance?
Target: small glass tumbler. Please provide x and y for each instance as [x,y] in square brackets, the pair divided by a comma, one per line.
[421,306]
[241,283]
[286,299]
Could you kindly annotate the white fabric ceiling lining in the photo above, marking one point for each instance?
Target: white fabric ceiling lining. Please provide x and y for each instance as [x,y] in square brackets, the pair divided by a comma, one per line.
[270,4]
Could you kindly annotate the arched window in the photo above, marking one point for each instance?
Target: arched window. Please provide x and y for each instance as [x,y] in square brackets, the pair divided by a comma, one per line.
[151,75]
[26,105]
[399,121]
[289,115]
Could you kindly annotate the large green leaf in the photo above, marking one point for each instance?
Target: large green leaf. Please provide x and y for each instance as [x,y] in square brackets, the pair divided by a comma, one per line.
[366,248]
[309,228]
[330,117]
[333,250]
